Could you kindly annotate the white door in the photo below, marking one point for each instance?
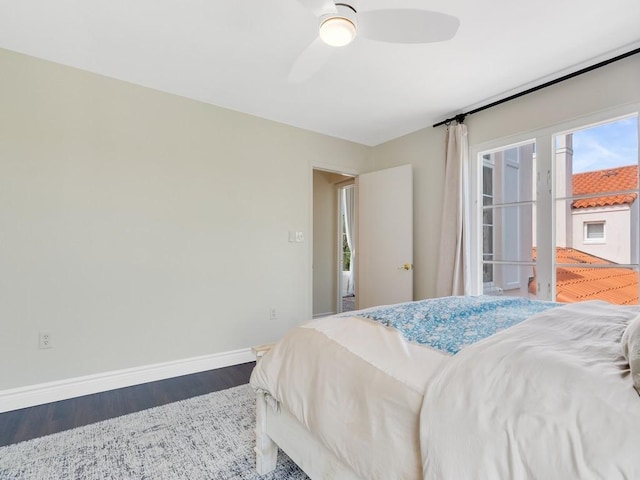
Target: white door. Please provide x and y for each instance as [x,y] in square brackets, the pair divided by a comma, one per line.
[384,270]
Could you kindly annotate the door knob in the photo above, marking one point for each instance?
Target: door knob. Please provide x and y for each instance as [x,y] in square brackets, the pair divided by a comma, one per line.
[406,266]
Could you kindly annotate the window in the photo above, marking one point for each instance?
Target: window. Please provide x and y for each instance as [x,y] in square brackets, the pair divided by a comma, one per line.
[557,216]
[594,232]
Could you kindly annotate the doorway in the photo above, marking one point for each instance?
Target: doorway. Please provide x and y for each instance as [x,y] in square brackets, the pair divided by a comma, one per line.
[383,239]
[329,256]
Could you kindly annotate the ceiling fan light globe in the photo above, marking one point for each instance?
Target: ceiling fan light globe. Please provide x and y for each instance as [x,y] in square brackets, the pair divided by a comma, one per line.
[337,31]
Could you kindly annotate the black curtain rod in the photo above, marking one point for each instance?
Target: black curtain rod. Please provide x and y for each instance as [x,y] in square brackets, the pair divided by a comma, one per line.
[461,116]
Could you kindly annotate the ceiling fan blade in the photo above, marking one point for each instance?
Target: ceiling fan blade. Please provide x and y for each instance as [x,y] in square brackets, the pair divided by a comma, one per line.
[319,7]
[407,26]
[310,61]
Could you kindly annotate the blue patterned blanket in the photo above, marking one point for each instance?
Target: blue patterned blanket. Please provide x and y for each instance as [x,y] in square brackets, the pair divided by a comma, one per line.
[451,323]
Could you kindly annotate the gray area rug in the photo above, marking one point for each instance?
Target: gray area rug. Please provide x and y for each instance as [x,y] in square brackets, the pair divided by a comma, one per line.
[203,438]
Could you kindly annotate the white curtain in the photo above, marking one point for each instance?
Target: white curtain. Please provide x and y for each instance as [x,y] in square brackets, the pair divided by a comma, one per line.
[453,264]
[348,208]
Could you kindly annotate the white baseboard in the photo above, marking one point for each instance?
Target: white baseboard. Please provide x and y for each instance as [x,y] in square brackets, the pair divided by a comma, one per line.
[22,397]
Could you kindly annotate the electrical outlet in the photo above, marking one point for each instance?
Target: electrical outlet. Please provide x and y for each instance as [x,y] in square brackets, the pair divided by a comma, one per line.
[45,340]
[273,315]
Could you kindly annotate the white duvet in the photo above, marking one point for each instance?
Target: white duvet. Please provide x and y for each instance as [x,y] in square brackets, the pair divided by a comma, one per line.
[550,398]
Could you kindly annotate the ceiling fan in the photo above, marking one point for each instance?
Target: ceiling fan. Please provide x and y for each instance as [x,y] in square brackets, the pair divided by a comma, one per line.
[339,23]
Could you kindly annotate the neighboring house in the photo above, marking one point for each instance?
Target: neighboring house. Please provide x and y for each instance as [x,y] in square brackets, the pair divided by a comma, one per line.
[603,230]
[606,226]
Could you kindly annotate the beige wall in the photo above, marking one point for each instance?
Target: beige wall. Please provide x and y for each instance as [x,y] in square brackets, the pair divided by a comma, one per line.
[140,227]
[616,247]
[608,87]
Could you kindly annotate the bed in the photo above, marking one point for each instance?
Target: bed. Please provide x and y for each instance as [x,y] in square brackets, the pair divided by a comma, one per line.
[458,387]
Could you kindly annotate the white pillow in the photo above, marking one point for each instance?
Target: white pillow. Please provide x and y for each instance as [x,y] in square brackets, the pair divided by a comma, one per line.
[631,349]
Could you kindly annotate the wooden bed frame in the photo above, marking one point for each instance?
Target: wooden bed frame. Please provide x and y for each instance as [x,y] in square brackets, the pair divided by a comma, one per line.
[277,427]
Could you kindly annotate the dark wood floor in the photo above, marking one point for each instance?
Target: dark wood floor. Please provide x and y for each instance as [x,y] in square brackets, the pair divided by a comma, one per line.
[33,422]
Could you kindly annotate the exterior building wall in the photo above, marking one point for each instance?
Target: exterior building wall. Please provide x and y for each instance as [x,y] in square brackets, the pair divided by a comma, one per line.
[616,246]
[564,189]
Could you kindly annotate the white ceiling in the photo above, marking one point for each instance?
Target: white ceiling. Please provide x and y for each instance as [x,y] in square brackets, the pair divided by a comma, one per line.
[238,53]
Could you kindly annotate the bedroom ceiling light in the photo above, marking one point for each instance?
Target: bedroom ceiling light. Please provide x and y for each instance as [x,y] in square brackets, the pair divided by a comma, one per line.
[338,30]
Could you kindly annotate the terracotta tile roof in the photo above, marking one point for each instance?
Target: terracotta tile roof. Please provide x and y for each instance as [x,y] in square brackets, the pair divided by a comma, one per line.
[600,181]
[578,284]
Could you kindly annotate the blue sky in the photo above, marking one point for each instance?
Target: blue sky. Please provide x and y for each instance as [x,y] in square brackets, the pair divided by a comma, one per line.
[606,146]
